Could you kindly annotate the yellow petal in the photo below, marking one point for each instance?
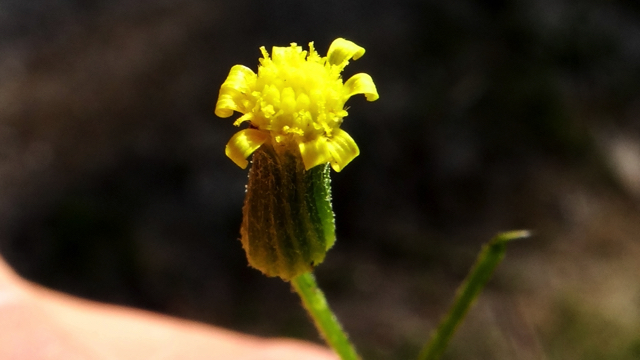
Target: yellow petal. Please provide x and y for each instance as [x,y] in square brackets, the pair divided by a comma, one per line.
[315,152]
[342,148]
[341,51]
[246,117]
[234,89]
[243,144]
[361,84]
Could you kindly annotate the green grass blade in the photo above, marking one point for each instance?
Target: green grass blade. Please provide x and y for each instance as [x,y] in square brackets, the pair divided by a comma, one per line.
[490,256]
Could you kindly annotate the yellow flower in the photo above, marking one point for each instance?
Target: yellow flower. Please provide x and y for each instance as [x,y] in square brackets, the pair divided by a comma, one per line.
[297,98]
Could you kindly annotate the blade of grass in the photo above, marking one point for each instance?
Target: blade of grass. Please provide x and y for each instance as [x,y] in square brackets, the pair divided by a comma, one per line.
[490,256]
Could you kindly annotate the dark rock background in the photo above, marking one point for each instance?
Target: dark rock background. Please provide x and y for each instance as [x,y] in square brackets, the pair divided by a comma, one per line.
[494,115]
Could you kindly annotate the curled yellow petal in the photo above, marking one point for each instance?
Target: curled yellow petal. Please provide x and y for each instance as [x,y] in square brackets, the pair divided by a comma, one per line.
[342,148]
[234,90]
[315,152]
[243,144]
[341,51]
[246,117]
[361,84]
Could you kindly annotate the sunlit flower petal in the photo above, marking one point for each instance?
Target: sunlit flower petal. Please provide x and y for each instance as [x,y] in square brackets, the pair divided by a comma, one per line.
[246,117]
[361,84]
[315,152]
[342,148]
[234,90]
[341,51]
[243,144]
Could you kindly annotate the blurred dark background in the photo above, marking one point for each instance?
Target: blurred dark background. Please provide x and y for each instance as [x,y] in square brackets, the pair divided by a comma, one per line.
[493,115]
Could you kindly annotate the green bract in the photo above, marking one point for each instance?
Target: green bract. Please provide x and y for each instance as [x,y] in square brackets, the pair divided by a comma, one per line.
[288,222]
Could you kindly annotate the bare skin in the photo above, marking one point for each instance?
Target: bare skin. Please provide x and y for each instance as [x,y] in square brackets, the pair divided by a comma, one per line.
[37,324]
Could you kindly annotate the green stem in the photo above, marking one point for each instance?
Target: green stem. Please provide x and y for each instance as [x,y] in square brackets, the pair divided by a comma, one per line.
[326,322]
[490,256]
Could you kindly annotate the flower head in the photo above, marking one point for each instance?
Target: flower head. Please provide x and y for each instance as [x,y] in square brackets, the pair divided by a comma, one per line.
[297,97]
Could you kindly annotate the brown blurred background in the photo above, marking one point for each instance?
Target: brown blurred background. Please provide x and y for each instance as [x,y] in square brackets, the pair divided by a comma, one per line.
[494,115]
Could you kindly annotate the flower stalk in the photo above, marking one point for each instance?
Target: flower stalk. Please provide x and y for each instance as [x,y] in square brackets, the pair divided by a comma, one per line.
[326,322]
